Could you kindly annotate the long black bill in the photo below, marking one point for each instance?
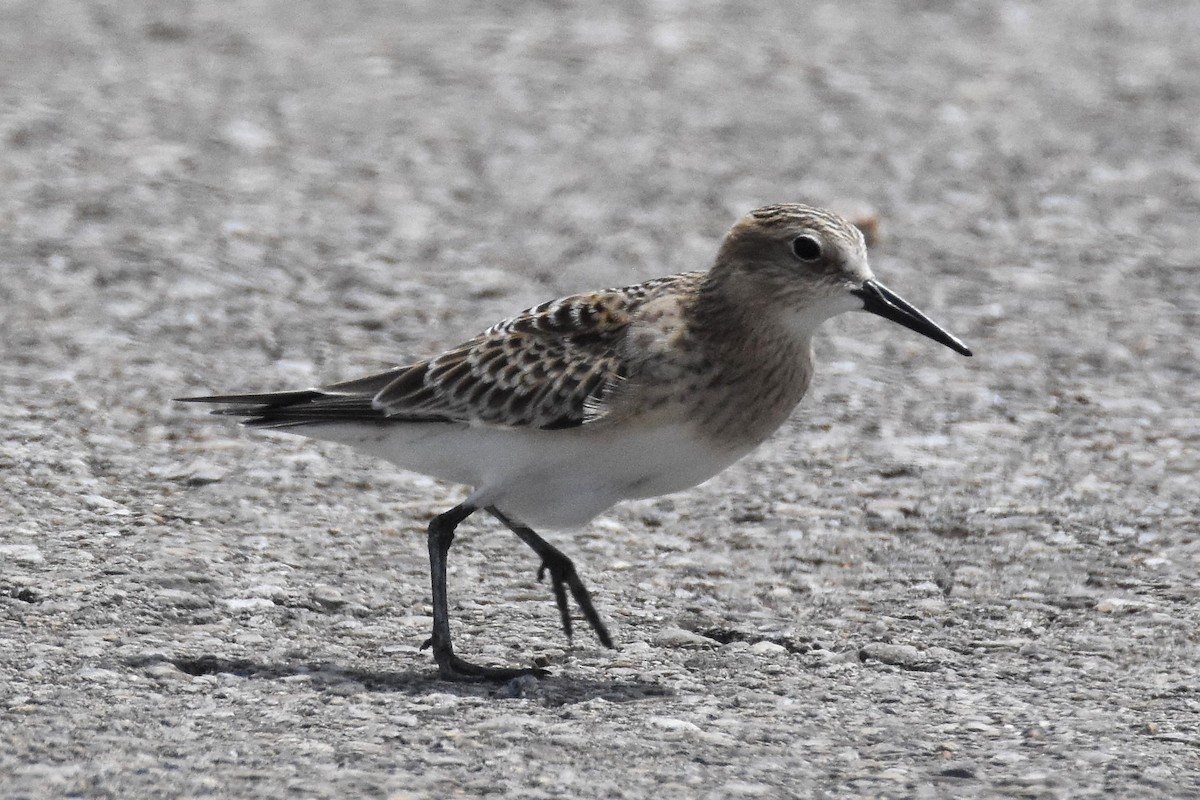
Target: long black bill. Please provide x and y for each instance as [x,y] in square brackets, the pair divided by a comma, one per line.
[878,299]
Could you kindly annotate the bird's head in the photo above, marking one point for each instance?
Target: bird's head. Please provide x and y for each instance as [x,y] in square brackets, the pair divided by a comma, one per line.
[804,265]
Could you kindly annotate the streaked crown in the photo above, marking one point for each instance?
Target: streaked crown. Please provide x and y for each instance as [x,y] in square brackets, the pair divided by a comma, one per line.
[791,252]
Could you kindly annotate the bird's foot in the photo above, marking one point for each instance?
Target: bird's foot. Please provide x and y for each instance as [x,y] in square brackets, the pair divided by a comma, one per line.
[453,668]
[562,577]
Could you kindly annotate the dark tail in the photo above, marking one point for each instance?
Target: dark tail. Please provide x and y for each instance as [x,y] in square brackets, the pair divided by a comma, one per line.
[285,409]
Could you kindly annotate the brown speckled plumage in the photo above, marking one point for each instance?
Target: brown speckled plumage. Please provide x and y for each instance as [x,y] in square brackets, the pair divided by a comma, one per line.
[563,410]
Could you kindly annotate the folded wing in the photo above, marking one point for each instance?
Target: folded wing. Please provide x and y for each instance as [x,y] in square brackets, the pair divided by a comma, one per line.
[544,368]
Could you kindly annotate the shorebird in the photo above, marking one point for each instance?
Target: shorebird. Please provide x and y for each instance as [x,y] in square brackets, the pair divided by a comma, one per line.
[554,415]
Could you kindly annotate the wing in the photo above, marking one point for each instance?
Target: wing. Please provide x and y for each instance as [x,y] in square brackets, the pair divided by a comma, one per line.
[545,368]
[540,369]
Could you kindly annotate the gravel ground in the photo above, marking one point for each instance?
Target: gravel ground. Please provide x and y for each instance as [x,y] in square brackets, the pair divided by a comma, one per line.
[945,577]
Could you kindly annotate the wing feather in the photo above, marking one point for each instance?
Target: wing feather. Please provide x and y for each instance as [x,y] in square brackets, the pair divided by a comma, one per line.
[537,369]
[549,367]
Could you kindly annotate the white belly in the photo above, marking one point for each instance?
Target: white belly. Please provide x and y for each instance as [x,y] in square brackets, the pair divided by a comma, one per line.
[556,479]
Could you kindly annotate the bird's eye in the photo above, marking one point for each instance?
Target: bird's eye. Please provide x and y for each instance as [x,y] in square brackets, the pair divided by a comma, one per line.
[806,248]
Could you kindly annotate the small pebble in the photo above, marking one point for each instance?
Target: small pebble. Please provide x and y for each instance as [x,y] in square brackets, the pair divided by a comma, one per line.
[177,598]
[765,648]
[678,637]
[672,724]
[900,655]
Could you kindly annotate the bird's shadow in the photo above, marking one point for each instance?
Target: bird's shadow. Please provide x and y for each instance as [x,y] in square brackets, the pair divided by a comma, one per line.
[550,690]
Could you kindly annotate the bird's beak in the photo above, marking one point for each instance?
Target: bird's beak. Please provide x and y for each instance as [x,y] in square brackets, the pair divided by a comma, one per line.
[878,299]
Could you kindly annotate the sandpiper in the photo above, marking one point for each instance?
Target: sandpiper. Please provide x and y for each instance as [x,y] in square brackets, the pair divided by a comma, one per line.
[556,414]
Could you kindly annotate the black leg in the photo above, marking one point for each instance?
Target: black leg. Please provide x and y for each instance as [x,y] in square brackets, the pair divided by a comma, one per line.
[562,577]
[450,666]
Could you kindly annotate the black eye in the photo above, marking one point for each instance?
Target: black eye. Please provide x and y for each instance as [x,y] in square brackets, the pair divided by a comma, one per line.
[806,248]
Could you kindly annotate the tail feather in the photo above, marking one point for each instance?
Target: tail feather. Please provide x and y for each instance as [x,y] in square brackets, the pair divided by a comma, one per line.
[268,399]
[303,407]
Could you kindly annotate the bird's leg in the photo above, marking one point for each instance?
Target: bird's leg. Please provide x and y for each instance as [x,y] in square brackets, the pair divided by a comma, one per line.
[450,666]
[562,577]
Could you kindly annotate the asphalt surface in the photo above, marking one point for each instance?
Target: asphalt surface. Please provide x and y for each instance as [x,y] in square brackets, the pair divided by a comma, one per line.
[944,577]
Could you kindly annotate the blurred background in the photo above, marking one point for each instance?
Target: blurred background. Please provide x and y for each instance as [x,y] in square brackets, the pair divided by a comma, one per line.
[212,196]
